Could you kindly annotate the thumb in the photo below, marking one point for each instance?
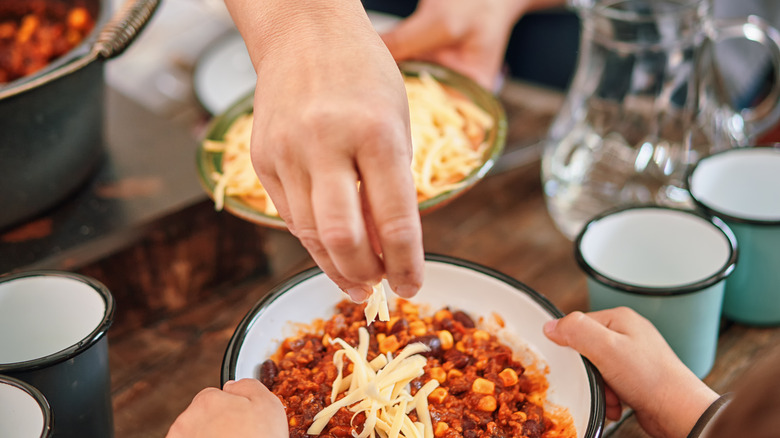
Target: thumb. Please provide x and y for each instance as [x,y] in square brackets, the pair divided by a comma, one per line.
[248,388]
[588,336]
[416,36]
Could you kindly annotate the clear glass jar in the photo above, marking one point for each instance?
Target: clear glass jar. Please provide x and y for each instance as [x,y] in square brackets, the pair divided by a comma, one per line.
[645,104]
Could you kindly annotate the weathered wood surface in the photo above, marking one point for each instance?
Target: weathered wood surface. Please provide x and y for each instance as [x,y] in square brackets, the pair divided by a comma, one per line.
[179,319]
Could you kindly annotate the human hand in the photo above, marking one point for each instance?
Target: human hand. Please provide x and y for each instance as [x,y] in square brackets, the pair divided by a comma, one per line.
[639,368]
[244,408]
[465,35]
[330,110]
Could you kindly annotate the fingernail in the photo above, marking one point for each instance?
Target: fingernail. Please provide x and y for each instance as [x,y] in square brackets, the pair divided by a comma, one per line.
[549,326]
[229,382]
[406,290]
[358,294]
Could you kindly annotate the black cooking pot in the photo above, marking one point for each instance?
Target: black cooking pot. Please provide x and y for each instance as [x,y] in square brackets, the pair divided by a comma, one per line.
[51,122]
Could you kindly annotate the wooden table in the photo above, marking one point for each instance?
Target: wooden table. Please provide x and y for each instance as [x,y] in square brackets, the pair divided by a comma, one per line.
[173,327]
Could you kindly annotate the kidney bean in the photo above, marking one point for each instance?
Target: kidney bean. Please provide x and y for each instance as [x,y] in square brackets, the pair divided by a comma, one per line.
[464,319]
[459,360]
[268,372]
[401,324]
[431,341]
[532,428]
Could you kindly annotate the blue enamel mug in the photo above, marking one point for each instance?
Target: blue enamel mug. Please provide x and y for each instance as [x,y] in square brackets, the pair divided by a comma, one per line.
[742,187]
[53,328]
[667,264]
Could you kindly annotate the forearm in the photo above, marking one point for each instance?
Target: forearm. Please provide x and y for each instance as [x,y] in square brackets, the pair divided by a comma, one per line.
[284,25]
[537,5]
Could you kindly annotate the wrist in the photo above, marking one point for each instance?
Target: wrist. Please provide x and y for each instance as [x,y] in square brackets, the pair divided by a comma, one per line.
[691,407]
[282,26]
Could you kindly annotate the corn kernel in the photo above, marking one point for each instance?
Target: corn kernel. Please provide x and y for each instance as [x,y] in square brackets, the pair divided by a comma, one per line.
[440,429]
[409,309]
[481,335]
[438,374]
[535,399]
[460,347]
[483,386]
[391,322]
[441,315]
[508,377]
[487,404]
[520,416]
[454,373]
[438,395]
[293,421]
[445,337]
[417,328]
[380,337]
[326,340]
[481,363]
[389,344]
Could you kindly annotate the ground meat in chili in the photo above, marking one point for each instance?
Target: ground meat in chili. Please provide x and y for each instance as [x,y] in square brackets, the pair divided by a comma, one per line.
[33,33]
[483,391]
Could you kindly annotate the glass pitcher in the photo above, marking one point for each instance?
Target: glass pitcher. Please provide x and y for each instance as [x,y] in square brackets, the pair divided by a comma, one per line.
[646,102]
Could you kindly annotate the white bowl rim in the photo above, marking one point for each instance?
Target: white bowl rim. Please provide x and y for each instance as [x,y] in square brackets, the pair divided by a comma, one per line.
[598,405]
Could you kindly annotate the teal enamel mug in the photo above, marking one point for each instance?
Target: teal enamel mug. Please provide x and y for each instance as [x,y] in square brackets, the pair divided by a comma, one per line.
[742,187]
[667,264]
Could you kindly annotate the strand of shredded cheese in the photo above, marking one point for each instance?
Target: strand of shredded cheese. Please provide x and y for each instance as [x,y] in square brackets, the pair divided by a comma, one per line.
[377,305]
[380,389]
[447,139]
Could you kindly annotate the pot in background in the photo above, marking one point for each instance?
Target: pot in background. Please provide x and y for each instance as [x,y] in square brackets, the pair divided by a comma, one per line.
[51,122]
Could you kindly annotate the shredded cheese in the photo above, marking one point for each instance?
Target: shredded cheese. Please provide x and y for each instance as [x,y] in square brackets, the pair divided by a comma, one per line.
[447,133]
[377,305]
[380,389]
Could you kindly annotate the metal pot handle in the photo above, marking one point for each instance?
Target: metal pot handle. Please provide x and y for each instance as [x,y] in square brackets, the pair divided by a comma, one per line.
[124,27]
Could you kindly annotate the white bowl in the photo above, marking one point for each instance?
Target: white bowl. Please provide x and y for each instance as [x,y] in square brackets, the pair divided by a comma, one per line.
[481,292]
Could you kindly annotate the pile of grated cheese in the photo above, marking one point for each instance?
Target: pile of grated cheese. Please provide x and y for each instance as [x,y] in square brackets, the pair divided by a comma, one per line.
[380,389]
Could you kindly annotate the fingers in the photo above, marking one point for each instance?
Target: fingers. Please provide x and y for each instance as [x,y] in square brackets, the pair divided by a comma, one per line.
[614,408]
[395,215]
[340,223]
[588,336]
[417,35]
[622,320]
[249,388]
[336,227]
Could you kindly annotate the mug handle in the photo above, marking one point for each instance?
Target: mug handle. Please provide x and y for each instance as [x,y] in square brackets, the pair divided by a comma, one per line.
[765,114]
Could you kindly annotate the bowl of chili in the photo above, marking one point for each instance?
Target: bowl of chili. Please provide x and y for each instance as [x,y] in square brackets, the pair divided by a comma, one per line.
[496,371]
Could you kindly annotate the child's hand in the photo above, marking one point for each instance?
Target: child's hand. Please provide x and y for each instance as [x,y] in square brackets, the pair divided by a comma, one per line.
[639,368]
[244,408]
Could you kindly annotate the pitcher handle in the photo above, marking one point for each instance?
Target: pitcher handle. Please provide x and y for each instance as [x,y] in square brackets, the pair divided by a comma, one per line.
[764,115]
